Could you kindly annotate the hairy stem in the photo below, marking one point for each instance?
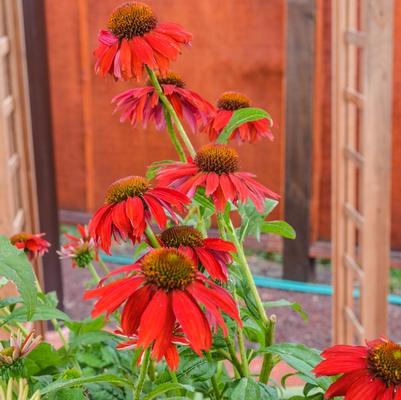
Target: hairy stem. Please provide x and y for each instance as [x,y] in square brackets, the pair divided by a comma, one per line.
[214,380]
[151,237]
[171,111]
[142,375]
[173,136]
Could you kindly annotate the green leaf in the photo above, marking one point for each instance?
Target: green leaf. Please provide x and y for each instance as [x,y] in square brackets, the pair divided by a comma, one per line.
[285,303]
[203,201]
[62,384]
[167,387]
[240,117]
[87,325]
[10,301]
[43,312]
[155,166]
[14,265]
[280,228]
[247,388]
[303,359]
[41,358]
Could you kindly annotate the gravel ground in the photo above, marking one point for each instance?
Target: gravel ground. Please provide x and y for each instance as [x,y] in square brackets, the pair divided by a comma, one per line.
[316,332]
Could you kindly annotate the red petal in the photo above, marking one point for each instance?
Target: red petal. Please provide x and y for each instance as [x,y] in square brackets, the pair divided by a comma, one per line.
[125,58]
[212,183]
[156,210]
[211,264]
[227,187]
[143,51]
[340,387]
[135,212]
[133,310]
[192,320]
[219,244]
[121,220]
[171,356]
[154,318]
[163,44]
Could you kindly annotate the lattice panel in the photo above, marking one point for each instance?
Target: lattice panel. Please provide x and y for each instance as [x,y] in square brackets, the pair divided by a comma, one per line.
[362,60]
[16,178]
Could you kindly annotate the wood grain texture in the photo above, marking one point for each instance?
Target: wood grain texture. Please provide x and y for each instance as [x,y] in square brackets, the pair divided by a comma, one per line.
[297,265]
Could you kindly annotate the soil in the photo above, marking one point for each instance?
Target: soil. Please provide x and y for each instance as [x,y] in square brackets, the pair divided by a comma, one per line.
[291,327]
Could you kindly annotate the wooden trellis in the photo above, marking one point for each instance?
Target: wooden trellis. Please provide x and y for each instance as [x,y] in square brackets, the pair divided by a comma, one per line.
[361,150]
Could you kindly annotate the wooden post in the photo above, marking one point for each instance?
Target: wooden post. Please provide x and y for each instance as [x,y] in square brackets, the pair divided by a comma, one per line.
[377,64]
[299,128]
[36,50]
[362,82]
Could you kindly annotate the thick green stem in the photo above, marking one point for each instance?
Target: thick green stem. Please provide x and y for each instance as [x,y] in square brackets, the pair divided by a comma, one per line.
[173,136]
[267,365]
[93,272]
[214,380]
[103,266]
[151,237]
[142,375]
[171,111]
[232,357]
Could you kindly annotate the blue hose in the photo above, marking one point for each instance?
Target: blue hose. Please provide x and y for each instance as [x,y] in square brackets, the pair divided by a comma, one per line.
[274,283]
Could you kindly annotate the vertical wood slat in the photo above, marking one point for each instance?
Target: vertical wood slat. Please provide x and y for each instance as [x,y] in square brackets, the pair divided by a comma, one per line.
[340,332]
[377,83]
[297,265]
[37,65]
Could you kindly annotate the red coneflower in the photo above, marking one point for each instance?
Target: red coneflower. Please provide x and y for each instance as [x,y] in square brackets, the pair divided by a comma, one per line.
[247,132]
[133,39]
[32,244]
[215,168]
[371,372]
[212,253]
[169,352]
[130,203]
[161,290]
[143,105]
[80,249]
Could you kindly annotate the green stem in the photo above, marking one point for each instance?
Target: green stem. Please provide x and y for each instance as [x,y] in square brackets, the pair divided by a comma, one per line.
[93,272]
[54,322]
[171,111]
[142,375]
[151,237]
[234,361]
[103,266]
[7,312]
[151,371]
[233,355]
[214,380]
[173,136]
[267,365]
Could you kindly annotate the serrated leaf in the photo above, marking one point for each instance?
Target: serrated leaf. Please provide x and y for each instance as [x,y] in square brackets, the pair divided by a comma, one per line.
[41,358]
[285,303]
[303,359]
[280,228]
[14,265]
[240,117]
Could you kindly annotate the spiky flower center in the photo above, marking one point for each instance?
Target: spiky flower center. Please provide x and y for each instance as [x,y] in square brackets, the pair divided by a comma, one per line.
[385,362]
[217,158]
[84,255]
[130,186]
[232,101]
[171,79]
[20,237]
[168,269]
[132,19]
[177,236]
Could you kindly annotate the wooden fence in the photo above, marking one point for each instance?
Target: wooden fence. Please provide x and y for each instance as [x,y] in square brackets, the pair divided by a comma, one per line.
[239,45]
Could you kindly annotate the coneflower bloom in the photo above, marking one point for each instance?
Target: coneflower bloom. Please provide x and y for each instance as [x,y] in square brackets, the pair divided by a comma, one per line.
[162,290]
[11,356]
[212,253]
[247,132]
[169,352]
[134,38]
[32,244]
[81,250]
[130,203]
[141,105]
[369,372]
[216,169]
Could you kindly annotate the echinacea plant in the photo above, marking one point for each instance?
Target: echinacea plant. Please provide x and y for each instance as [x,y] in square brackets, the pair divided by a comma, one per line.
[184,319]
